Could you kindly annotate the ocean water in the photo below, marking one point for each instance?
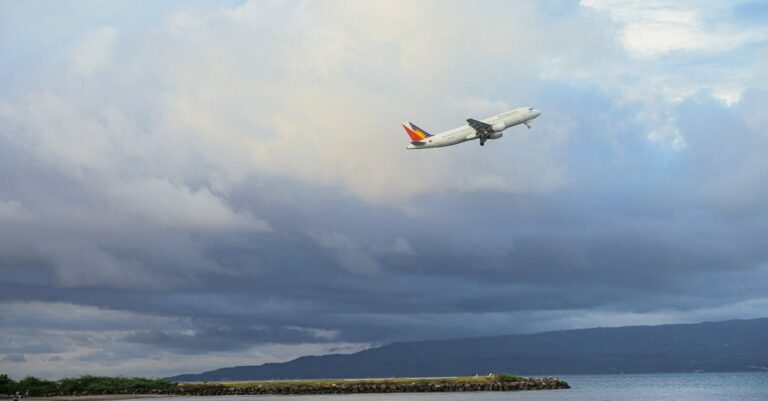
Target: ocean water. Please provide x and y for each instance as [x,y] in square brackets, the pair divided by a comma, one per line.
[647,387]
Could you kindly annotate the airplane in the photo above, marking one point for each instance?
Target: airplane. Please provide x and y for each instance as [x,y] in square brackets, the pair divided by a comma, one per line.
[490,128]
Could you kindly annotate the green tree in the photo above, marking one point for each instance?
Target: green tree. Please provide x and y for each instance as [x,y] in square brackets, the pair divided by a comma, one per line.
[37,387]
[7,385]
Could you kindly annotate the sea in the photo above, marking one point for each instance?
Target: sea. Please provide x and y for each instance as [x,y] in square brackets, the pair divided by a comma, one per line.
[644,387]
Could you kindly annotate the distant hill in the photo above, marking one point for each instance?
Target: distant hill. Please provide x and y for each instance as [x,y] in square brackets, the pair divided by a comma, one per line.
[731,346]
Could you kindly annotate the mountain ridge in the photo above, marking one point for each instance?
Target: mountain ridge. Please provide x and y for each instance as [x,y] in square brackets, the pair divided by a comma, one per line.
[733,345]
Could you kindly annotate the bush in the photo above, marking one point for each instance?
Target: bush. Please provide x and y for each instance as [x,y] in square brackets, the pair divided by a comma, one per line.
[107,385]
[90,384]
[7,385]
[36,386]
[505,378]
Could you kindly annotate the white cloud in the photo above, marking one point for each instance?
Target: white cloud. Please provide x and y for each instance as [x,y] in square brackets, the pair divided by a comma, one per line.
[671,52]
[104,183]
[93,52]
[320,334]
[653,28]
[325,108]
[55,314]
[320,110]
[161,202]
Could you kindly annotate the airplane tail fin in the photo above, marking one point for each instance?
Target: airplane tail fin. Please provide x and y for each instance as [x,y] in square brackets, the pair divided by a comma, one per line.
[417,134]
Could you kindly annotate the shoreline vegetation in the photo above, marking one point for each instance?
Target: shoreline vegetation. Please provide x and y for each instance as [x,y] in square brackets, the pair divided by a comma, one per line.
[91,387]
[83,385]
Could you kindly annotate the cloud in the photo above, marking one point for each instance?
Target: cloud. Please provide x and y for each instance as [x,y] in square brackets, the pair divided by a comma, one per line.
[83,264]
[400,246]
[70,316]
[298,133]
[93,52]
[348,253]
[169,205]
[670,53]
[229,338]
[14,358]
[13,211]
[207,185]
[653,28]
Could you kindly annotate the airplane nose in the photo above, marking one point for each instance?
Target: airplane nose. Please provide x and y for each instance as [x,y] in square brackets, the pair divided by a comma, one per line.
[538,113]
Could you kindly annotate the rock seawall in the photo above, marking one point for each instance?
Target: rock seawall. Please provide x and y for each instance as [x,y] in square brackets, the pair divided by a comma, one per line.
[341,387]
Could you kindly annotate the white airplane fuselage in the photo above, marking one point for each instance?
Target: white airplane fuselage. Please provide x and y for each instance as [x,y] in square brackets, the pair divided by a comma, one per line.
[465,133]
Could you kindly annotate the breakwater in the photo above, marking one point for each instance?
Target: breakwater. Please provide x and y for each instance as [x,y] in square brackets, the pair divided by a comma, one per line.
[371,386]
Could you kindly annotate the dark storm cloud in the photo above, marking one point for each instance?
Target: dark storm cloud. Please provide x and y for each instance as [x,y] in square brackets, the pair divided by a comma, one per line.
[14,358]
[228,338]
[524,253]
[507,262]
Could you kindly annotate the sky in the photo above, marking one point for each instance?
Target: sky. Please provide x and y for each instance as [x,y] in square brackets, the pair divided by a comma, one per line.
[188,185]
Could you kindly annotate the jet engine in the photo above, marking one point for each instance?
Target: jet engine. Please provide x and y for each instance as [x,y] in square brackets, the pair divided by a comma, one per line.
[496,135]
[498,127]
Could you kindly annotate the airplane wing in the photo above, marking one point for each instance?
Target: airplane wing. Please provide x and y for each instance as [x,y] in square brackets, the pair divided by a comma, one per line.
[478,126]
[482,129]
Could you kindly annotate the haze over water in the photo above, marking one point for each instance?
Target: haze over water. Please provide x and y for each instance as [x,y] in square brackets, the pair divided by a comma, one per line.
[647,387]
